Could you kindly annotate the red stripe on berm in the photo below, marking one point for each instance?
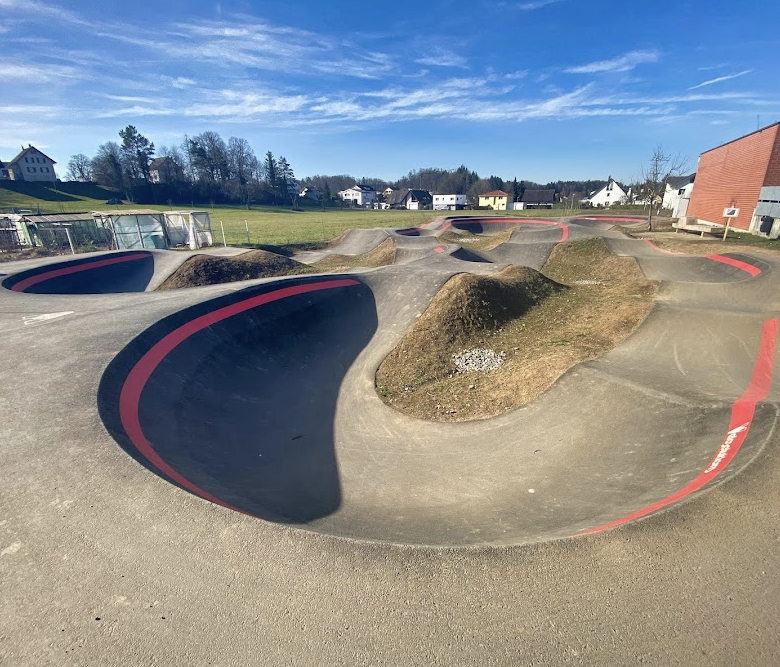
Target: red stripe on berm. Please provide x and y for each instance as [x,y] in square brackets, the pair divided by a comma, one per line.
[130,395]
[22,285]
[742,414]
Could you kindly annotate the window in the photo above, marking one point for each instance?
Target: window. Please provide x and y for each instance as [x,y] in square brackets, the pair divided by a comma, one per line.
[31,169]
[39,159]
[45,170]
[27,159]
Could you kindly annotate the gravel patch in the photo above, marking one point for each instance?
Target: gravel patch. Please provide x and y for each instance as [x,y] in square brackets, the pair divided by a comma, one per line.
[478,359]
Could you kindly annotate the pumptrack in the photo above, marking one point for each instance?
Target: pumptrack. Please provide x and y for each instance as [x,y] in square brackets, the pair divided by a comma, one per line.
[260,396]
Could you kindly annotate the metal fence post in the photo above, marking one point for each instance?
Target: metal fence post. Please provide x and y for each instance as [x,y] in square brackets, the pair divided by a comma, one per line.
[248,240]
[70,241]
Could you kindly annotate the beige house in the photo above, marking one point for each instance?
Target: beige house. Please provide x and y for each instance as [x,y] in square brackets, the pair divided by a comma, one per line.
[30,165]
[498,200]
[165,170]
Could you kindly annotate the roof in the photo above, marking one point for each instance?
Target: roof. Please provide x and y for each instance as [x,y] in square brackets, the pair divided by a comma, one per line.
[539,196]
[677,182]
[27,150]
[130,211]
[158,161]
[742,137]
[58,217]
[495,193]
[420,195]
[185,212]
[400,196]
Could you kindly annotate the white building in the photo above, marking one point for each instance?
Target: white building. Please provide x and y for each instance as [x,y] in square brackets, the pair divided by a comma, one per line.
[362,196]
[31,165]
[449,202]
[610,194]
[677,195]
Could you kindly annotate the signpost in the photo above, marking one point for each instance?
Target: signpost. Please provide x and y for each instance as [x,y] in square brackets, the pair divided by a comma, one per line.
[729,213]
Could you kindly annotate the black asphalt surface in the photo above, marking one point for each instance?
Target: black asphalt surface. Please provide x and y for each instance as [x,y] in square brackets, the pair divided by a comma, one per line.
[251,408]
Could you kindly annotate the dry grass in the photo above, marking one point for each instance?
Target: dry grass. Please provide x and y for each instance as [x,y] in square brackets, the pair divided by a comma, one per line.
[382,255]
[201,270]
[542,329]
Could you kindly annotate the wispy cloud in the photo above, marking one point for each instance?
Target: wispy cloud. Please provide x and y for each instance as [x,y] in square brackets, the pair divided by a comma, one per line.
[443,58]
[530,6]
[624,63]
[718,79]
[42,12]
[42,73]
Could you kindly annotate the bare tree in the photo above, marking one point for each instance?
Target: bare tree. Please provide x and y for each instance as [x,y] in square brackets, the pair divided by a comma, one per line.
[659,169]
[79,168]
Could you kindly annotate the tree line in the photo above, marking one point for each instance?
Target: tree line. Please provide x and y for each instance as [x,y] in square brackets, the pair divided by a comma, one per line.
[202,168]
[206,168]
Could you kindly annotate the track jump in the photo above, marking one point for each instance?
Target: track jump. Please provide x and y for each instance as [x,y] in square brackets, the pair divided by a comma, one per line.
[260,396]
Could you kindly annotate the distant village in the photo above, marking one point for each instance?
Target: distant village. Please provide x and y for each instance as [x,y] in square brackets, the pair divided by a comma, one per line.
[738,181]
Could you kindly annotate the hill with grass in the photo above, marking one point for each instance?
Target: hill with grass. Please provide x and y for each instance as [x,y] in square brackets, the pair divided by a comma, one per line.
[62,197]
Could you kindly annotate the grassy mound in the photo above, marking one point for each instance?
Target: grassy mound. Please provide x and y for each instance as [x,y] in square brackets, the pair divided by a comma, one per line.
[382,255]
[540,328]
[203,270]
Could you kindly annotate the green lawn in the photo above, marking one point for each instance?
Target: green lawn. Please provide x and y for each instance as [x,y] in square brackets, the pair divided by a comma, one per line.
[268,225]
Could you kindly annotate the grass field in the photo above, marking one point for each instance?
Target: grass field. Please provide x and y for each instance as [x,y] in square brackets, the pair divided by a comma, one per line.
[268,225]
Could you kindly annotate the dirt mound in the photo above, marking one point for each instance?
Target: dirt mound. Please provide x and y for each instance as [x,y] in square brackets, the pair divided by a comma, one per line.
[537,327]
[202,270]
[382,255]
[469,304]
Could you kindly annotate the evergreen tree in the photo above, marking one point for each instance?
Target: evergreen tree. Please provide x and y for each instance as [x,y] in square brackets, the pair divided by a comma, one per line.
[271,169]
[137,152]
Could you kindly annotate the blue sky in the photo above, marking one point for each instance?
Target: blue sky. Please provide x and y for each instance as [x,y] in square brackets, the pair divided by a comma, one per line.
[535,89]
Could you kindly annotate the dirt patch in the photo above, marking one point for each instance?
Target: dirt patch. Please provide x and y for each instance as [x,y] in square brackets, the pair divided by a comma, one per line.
[476,241]
[382,255]
[202,270]
[541,328]
[27,253]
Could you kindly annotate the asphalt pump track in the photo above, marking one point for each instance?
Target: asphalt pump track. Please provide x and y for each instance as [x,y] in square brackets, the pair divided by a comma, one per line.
[259,396]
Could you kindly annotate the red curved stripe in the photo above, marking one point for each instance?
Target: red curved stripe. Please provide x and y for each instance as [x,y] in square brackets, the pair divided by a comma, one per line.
[610,219]
[130,395]
[22,285]
[742,414]
[744,266]
[515,221]
[749,268]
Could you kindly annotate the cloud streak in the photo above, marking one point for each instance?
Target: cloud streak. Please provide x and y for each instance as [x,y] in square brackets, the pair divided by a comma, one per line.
[718,79]
[624,63]
[530,6]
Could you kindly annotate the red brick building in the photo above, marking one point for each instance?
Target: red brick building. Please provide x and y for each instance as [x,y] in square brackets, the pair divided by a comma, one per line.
[744,173]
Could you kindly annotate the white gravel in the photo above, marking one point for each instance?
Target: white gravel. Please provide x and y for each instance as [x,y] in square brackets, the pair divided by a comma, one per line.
[480,360]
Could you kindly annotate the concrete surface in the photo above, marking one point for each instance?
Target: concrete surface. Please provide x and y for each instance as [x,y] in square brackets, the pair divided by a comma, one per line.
[104,563]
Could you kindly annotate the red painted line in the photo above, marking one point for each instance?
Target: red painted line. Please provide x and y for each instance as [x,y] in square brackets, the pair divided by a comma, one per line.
[742,414]
[514,221]
[749,268]
[130,395]
[744,266]
[649,243]
[610,219]
[22,285]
